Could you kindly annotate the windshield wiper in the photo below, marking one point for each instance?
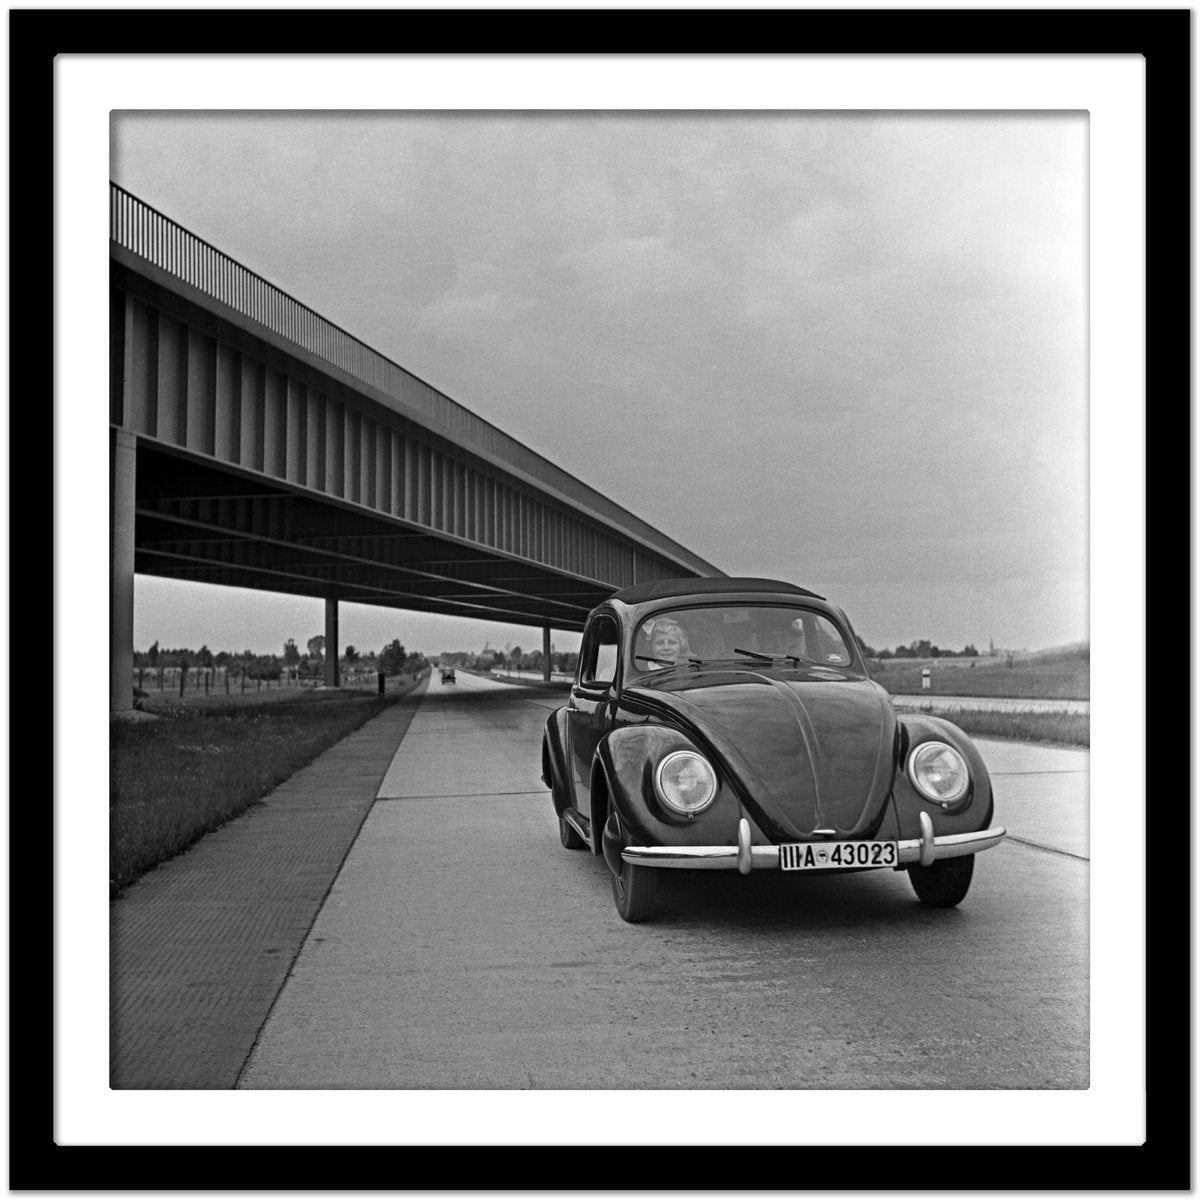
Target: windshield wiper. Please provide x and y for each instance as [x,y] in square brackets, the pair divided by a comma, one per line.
[667,662]
[766,657]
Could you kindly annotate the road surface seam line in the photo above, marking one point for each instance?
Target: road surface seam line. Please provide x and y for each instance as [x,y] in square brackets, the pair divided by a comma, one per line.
[287,978]
[458,795]
[1052,771]
[1048,849]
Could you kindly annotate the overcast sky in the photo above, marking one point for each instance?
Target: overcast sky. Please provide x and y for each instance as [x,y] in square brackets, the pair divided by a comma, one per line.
[845,350]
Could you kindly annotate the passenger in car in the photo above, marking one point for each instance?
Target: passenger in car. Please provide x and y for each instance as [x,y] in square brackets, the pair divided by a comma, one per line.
[668,641]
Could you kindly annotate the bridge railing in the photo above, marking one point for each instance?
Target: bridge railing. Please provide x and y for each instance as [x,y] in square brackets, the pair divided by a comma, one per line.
[145,231]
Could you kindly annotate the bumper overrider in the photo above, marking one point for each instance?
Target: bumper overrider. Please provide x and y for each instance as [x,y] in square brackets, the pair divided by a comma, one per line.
[744,857]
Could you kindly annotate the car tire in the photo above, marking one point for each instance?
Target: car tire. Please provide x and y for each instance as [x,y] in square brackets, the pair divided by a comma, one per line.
[569,835]
[634,891]
[943,884]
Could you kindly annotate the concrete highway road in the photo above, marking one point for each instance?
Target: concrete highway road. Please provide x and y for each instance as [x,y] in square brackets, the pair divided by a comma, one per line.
[462,947]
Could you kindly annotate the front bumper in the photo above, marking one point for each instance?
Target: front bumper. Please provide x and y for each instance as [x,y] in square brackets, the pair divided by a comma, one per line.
[744,857]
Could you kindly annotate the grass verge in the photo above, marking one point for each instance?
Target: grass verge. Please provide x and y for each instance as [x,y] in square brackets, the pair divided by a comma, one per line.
[1061,728]
[1060,678]
[175,779]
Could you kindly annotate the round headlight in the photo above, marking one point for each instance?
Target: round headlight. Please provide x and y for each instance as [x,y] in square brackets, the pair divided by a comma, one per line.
[685,782]
[938,772]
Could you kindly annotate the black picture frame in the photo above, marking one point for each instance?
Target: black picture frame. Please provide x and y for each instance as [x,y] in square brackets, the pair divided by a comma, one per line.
[36,37]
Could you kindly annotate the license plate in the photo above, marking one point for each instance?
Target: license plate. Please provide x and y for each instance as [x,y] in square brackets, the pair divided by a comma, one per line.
[819,856]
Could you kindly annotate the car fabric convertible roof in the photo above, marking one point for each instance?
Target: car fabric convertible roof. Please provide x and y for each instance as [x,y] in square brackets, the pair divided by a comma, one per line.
[660,589]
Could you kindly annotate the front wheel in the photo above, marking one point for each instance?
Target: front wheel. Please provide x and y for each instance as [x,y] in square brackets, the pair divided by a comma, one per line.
[943,884]
[634,891]
[633,887]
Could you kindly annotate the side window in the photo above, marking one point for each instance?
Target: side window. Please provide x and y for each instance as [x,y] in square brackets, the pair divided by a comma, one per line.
[599,661]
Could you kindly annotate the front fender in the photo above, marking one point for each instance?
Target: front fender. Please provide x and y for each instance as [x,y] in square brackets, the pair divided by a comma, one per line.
[628,757]
[974,814]
[555,768]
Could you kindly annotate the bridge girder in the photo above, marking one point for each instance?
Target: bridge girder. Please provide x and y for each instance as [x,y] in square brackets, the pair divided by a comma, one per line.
[261,446]
[192,525]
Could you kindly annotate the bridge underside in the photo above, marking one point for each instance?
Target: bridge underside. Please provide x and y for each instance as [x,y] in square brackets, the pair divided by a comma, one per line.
[208,525]
[255,444]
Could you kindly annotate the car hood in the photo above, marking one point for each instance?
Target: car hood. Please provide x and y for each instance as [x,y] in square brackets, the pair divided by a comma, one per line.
[805,750]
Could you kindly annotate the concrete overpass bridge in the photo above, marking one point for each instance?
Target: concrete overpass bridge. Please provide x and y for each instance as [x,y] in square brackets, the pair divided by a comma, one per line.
[255,444]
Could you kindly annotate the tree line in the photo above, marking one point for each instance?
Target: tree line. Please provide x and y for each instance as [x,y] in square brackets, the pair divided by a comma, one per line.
[392,659]
[918,649]
[514,659]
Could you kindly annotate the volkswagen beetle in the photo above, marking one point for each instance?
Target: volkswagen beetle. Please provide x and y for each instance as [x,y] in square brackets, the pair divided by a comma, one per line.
[732,724]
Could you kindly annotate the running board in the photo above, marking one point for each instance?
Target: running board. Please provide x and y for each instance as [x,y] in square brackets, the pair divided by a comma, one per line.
[580,825]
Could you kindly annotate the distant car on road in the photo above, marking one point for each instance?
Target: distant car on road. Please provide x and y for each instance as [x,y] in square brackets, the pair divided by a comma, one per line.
[731,724]
[447,674]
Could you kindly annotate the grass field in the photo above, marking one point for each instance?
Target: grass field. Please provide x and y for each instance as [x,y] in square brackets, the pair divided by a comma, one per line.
[1057,728]
[207,759]
[1064,675]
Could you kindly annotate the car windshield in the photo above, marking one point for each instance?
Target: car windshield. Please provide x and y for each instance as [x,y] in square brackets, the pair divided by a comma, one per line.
[754,632]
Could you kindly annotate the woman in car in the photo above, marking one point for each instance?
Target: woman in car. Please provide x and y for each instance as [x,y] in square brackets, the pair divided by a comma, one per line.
[668,644]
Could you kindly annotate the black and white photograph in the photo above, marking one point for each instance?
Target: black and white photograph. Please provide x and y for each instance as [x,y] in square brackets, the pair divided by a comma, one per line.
[491,486]
[602,584]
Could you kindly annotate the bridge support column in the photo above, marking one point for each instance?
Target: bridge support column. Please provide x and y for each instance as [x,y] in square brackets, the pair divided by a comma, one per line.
[122,457]
[332,675]
[546,653]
